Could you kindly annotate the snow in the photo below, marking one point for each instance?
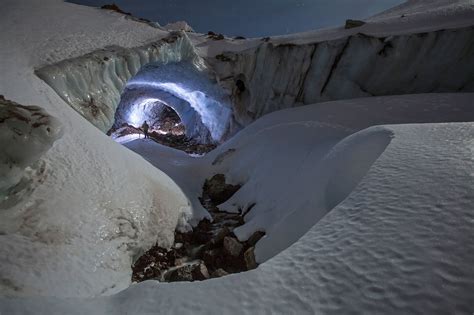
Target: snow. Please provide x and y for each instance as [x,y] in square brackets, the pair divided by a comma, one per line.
[390,246]
[279,181]
[95,205]
[348,192]
[26,133]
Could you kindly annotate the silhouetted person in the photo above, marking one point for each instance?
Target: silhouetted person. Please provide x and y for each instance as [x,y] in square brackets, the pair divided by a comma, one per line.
[145,128]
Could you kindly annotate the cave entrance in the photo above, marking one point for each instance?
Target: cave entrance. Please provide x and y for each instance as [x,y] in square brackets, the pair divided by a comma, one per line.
[165,127]
[183,106]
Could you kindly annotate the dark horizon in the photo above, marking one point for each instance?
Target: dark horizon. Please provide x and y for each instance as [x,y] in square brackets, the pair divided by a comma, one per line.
[249,18]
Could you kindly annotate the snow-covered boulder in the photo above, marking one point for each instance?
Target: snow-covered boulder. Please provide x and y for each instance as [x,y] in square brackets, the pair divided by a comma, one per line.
[26,133]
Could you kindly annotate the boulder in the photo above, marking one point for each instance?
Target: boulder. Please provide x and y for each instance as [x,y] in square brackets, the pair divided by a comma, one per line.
[213,257]
[191,272]
[217,190]
[249,257]
[220,236]
[255,238]
[353,24]
[219,273]
[232,246]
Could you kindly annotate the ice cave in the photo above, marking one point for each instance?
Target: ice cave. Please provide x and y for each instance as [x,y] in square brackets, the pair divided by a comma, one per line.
[324,172]
[180,88]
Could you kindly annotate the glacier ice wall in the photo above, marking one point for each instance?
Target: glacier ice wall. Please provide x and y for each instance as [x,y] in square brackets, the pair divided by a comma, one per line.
[92,83]
[26,133]
[272,76]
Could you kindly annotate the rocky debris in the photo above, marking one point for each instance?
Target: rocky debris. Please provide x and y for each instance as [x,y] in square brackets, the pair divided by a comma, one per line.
[215,36]
[175,138]
[249,257]
[114,7]
[353,24]
[217,190]
[210,250]
[189,272]
[239,37]
[255,237]
[266,39]
[232,246]
[219,273]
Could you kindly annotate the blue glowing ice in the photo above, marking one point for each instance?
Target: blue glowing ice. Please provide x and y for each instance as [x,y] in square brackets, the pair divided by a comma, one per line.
[203,107]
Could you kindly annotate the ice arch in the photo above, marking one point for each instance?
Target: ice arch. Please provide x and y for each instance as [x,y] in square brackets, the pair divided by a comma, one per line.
[202,106]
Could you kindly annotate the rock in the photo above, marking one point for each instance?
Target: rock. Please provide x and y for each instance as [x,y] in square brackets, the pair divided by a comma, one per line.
[219,273]
[190,272]
[249,257]
[240,85]
[179,261]
[255,238]
[114,7]
[215,36]
[353,24]
[232,246]
[220,235]
[201,272]
[26,134]
[217,190]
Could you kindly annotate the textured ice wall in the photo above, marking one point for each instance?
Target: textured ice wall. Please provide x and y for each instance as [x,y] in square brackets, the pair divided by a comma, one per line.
[26,133]
[276,76]
[92,83]
[202,106]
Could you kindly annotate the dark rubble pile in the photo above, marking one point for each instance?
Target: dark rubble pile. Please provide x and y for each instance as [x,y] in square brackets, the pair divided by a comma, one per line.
[175,138]
[211,250]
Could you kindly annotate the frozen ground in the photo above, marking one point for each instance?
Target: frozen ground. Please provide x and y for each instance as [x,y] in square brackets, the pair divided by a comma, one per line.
[396,234]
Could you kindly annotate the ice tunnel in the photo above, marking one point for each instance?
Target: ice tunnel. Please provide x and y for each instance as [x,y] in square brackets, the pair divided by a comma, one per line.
[199,103]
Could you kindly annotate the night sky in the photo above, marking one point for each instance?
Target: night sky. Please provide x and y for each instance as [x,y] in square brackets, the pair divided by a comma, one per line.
[251,18]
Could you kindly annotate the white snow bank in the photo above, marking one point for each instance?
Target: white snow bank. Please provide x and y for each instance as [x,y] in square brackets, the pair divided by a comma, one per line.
[178,26]
[285,160]
[93,205]
[391,246]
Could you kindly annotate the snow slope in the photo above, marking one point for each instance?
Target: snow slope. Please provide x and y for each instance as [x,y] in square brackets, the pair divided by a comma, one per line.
[286,185]
[389,245]
[98,204]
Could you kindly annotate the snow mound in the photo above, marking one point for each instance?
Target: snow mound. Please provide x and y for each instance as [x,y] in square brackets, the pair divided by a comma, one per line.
[349,161]
[26,133]
[178,26]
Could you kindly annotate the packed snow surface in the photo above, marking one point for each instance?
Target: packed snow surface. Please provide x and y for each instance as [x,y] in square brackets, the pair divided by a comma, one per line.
[375,204]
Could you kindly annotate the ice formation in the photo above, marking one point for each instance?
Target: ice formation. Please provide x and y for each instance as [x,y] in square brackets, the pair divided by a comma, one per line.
[284,74]
[203,108]
[26,133]
[92,84]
